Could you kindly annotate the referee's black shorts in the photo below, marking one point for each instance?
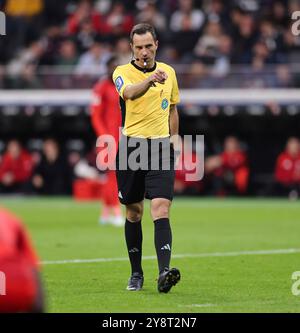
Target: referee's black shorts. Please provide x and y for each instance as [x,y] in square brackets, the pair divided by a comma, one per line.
[145,169]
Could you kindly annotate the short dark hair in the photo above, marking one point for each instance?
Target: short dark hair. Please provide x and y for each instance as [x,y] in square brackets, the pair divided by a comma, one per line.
[141,29]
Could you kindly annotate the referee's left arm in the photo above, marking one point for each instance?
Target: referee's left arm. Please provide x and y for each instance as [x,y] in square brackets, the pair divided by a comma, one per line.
[174,127]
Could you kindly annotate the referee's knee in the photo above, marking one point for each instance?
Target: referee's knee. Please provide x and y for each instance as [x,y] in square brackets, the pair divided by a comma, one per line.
[134,212]
[160,208]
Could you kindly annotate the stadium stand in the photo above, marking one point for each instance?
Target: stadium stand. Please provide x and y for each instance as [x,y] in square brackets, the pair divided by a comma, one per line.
[60,50]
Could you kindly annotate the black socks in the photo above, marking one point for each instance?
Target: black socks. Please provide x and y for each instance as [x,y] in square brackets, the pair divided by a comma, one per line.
[163,242]
[134,238]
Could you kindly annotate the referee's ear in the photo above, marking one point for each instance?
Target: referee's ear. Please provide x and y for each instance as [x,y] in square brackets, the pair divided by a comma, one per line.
[131,46]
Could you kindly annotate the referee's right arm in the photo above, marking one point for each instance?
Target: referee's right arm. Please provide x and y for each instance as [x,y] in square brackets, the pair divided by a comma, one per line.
[137,90]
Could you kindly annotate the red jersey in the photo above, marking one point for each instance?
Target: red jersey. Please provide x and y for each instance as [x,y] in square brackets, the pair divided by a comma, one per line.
[18,264]
[237,163]
[124,27]
[105,109]
[233,161]
[14,241]
[21,168]
[73,23]
[287,170]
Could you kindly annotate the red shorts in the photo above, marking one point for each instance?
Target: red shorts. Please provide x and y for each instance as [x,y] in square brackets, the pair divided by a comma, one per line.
[20,286]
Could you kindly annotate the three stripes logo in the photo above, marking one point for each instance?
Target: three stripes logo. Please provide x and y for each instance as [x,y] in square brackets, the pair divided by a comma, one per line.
[166,247]
[134,250]
[2,24]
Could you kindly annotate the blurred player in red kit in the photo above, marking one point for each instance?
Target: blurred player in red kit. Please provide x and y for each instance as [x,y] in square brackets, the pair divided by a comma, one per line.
[230,169]
[15,168]
[106,120]
[287,170]
[21,289]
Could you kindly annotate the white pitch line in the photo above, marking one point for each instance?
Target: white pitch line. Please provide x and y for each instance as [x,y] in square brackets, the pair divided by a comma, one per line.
[206,305]
[176,256]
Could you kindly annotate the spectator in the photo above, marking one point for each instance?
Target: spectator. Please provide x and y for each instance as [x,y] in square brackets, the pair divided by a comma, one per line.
[279,15]
[67,57]
[117,23]
[150,14]
[222,62]
[185,25]
[273,40]
[66,61]
[28,56]
[24,21]
[51,40]
[230,169]
[261,54]
[123,51]
[290,41]
[244,36]
[87,36]
[215,11]
[167,6]
[258,76]
[84,12]
[287,170]
[15,168]
[93,61]
[187,17]
[196,76]
[52,175]
[207,46]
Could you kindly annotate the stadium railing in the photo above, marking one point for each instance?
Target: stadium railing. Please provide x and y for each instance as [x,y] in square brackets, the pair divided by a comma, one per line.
[200,97]
[195,75]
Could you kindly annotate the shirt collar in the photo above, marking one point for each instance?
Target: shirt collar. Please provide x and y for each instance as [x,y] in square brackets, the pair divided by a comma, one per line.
[144,70]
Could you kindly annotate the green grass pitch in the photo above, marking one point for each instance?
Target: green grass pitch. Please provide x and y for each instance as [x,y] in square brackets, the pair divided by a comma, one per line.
[216,245]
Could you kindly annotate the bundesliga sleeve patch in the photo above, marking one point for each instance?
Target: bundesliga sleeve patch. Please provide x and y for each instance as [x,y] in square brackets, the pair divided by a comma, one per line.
[164,104]
[119,83]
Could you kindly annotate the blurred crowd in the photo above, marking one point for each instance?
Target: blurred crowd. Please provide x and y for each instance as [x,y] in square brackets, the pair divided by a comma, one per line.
[37,172]
[52,170]
[205,37]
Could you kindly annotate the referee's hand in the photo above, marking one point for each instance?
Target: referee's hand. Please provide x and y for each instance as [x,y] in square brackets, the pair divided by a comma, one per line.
[159,76]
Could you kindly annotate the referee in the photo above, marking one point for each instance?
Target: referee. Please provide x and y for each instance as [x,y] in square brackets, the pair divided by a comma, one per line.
[148,96]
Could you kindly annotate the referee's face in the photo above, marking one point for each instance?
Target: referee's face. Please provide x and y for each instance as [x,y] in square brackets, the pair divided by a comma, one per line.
[144,49]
